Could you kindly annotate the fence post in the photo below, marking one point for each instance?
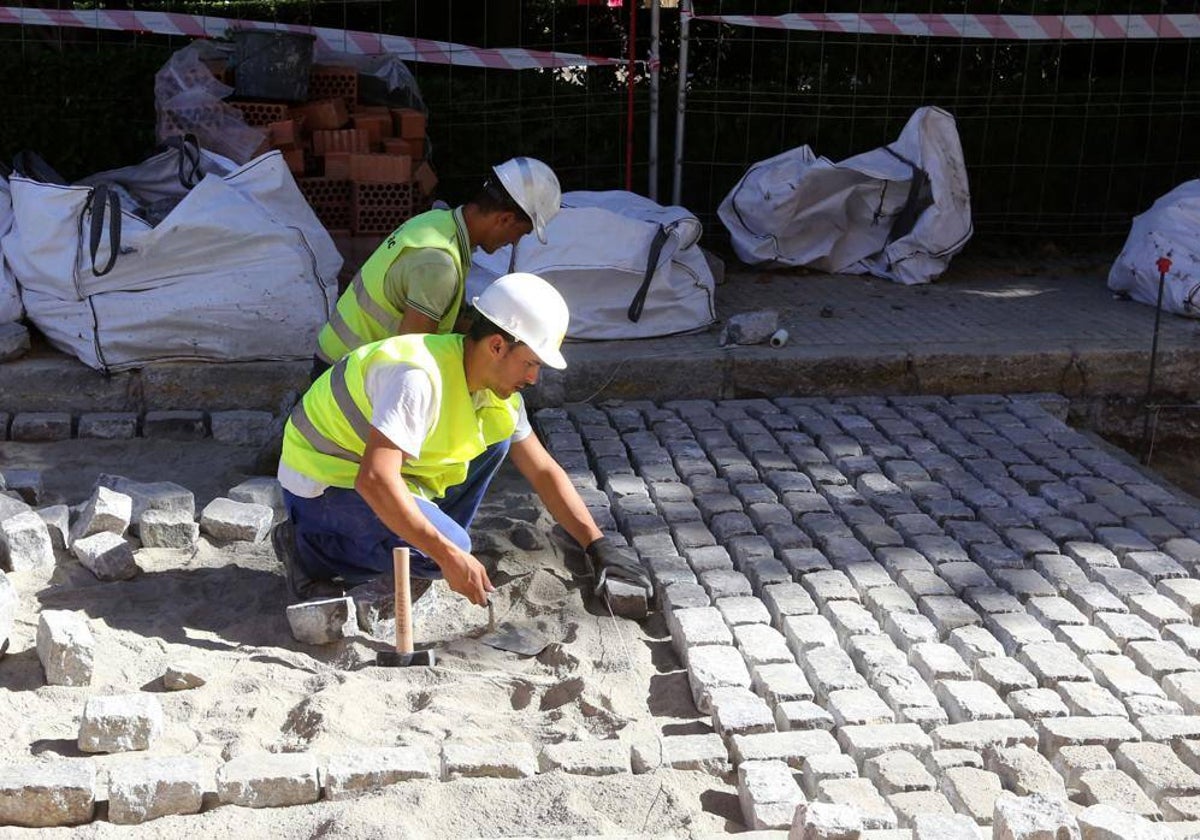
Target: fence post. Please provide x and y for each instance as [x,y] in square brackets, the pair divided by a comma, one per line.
[655,7]
[685,14]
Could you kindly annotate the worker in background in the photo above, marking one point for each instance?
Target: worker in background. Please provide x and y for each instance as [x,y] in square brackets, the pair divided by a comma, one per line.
[397,443]
[416,279]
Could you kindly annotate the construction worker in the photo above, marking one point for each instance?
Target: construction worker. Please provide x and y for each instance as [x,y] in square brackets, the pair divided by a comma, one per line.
[396,444]
[415,280]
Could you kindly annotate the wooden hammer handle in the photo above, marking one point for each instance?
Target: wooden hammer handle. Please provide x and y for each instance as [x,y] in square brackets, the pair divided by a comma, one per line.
[404,631]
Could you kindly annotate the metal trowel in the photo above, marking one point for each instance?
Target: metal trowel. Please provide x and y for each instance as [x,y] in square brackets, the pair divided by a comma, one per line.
[508,636]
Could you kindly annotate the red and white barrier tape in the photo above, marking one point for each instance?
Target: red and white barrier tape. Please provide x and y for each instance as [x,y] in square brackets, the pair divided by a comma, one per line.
[336,40]
[994,27]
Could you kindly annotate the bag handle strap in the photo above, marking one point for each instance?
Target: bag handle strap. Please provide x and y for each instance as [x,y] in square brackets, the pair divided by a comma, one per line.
[639,299]
[190,173]
[104,201]
[906,219]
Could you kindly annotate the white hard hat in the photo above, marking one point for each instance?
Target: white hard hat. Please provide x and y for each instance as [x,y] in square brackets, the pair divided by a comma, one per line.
[530,310]
[534,187]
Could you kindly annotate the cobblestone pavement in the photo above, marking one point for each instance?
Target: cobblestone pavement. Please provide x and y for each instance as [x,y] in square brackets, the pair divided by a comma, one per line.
[910,606]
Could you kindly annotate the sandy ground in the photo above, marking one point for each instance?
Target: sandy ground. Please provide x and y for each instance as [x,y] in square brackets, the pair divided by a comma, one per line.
[219,610]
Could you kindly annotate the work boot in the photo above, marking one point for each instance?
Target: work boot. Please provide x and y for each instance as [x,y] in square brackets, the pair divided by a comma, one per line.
[302,587]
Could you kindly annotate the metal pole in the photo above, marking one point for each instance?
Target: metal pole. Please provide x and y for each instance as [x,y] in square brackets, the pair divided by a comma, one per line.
[1163,265]
[652,191]
[631,75]
[685,13]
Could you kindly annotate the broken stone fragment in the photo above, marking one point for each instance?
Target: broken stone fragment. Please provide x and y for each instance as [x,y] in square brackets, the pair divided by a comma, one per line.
[180,678]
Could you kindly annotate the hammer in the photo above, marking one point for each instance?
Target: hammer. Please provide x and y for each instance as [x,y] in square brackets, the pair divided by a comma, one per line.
[404,655]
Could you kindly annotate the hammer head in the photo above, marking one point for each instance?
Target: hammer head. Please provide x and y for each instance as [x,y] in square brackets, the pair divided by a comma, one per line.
[396,659]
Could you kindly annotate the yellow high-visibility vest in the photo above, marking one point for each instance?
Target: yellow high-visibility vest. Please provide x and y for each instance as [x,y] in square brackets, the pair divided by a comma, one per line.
[364,313]
[326,434]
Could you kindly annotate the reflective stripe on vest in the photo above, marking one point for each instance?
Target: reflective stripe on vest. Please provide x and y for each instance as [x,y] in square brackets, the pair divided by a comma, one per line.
[364,314]
[327,431]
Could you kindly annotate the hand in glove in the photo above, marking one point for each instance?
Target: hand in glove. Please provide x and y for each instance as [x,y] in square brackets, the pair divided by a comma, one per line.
[609,560]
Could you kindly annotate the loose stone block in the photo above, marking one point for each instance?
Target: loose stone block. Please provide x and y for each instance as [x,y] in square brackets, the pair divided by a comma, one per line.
[780,682]
[972,792]
[1169,727]
[368,769]
[856,707]
[105,511]
[1121,676]
[492,759]
[225,519]
[706,753]
[1025,771]
[584,758]
[693,628]
[739,711]
[792,747]
[907,630]
[261,490]
[715,666]
[940,761]
[1033,818]
[974,643]
[139,791]
[168,529]
[1160,659]
[762,784]
[1084,641]
[934,826]
[936,661]
[860,795]
[979,735]
[1016,630]
[1073,762]
[967,700]
[1112,787]
[818,768]
[47,793]
[269,780]
[65,647]
[865,742]
[830,669]
[1106,822]
[120,723]
[1109,732]
[1053,663]
[1157,769]
[1004,674]
[156,495]
[762,645]
[825,821]
[40,426]
[174,425]
[1036,703]
[108,426]
[947,613]
[872,653]
[9,601]
[909,806]
[1089,699]
[106,555]
[802,715]
[25,544]
[898,772]
[241,427]
[323,621]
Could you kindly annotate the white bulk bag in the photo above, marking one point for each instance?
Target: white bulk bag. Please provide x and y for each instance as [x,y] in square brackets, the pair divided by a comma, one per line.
[899,212]
[626,266]
[10,296]
[1170,229]
[237,268]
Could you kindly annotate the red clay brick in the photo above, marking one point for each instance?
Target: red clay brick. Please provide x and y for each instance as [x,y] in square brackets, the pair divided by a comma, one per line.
[337,165]
[415,149]
[261,113]
[377,126]
[283,133]
[381,169]
[409,123]
[324,114]
[333,81]
[426,178]
[345,140]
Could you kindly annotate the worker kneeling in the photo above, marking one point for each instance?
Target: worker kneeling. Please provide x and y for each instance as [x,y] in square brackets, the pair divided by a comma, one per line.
[396,444]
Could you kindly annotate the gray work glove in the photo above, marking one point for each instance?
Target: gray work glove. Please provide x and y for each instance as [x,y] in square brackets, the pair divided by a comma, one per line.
[608,560]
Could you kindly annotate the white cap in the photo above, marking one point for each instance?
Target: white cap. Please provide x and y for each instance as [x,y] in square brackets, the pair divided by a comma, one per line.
[530,310]
[534,187]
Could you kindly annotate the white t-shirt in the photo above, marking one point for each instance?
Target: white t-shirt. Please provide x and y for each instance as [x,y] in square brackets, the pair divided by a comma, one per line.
[404,413]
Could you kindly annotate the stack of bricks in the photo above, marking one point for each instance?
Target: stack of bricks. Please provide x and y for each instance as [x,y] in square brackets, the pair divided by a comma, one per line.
[362,167]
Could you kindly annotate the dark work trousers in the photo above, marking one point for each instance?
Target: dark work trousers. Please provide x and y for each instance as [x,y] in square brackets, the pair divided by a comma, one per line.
[338,535]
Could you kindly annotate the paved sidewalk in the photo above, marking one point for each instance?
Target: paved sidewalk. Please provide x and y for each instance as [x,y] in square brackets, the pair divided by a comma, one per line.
[990,326]
[912,607]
